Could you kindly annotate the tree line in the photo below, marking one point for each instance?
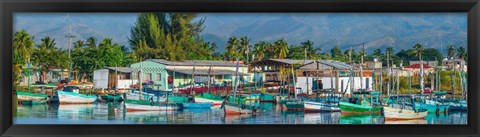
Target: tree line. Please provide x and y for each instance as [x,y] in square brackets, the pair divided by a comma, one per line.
[85,56]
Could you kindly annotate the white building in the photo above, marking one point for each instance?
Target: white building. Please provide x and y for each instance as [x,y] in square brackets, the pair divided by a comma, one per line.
[107,78]
[326,74]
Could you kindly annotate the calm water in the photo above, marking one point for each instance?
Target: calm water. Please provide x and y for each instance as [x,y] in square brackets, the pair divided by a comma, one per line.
[103,113]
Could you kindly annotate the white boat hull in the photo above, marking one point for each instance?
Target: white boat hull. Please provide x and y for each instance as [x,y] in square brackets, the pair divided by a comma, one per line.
[73,99]
[320,107]
[233,110]
[136,107]
[402,114]
[26,98]
[204,100]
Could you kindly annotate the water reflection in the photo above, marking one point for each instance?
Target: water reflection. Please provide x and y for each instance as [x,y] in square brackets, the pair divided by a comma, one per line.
[108,113]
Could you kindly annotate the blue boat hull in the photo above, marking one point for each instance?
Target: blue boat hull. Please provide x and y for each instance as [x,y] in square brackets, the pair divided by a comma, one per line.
[195,105]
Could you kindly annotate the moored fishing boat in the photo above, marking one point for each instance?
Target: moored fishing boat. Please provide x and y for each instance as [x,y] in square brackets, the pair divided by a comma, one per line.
[209,98]
[311,106]
[143,105]
[205,100]
[458,106]
[25,96]
[236,110]
[403,114]
[111,98]
[75,98]
[294,105]
[433,103]
[360,105]
[265,97]
[398,108]
[194,105]
[328,103]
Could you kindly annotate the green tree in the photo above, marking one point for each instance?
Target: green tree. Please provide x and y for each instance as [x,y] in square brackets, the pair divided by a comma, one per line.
[336,52]
[461,53]
[166,35]
[312,53]
[281,48]
[231,52]
[296,52]
[259,50]
[47,57]
[377,53]
[23,43]
[418,50]
[451,51]
[92,42]
[244,48]
[22,49]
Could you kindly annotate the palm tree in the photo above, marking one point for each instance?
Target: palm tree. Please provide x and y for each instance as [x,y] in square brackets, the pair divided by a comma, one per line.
[451,51]
[46,57]
[377,53]
[230,51]
[23,43]
[418,49]
[311,51]
[79,44]
[259,50]
[92,42]
[461,52]
[281,48]
[244,47]
[213,47]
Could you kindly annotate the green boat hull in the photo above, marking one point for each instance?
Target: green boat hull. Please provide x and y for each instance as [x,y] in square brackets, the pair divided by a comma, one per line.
[33,102]
[110,98]
[267,97]
[350,108]
[177,99]
[295,105]
[433,108]
[210,96]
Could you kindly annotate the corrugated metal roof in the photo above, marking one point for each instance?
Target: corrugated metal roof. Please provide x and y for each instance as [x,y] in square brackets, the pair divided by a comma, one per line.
[196,62]
[289,61]
[336,64]
[205,72]
[121,69]
[330,63]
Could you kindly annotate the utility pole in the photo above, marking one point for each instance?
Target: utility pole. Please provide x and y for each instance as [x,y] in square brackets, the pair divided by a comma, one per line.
[361,67]
[306,72]
[69,35]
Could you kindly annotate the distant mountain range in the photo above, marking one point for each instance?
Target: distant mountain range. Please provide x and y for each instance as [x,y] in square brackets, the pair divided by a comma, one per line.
[375,30]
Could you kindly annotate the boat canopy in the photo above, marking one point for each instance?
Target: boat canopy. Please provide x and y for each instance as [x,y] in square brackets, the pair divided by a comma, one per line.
[368,92]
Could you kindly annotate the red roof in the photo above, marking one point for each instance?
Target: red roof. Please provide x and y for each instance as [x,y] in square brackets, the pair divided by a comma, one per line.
[418,66]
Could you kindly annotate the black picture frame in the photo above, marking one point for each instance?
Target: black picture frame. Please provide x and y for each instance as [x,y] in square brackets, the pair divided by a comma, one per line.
[8,7]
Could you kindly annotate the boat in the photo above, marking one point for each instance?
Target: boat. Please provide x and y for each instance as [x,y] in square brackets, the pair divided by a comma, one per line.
[391,113]
[433,103]
[25,96]
[294,105]
[33,102]
[111,98]
[265,97]
[416,121]
[329,103]
[399,110]
[75,98]
[234,109]
[361,105]
[143,105]
[310,106]
[205,100]
[194,105]
[458,106]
